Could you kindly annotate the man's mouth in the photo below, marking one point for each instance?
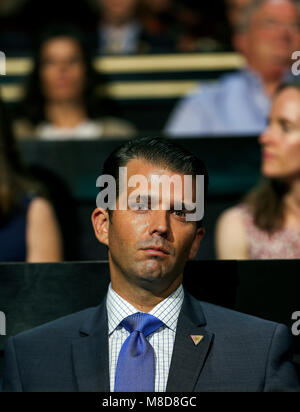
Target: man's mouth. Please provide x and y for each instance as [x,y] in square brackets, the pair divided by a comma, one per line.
[156,250]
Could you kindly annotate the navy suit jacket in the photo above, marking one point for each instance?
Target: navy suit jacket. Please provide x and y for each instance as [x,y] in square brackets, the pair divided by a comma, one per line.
[237,353]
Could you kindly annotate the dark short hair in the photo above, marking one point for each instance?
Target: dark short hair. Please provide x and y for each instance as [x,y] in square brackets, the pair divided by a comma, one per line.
[159,151]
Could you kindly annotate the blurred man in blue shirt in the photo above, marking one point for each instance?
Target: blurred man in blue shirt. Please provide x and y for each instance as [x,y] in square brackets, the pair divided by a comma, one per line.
[268,34]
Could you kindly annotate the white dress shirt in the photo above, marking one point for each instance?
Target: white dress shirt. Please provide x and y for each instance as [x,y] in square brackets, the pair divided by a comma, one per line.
[162,340]
[119,40]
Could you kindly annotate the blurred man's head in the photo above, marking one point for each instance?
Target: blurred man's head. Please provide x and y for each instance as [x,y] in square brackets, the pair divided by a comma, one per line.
[268,34]
[118,12]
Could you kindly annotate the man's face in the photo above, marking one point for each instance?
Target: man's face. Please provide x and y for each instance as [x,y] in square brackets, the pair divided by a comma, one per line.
[272,36]
[149,248]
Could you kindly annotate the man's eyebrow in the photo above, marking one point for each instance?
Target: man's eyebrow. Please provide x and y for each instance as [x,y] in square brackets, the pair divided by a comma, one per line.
[184,206]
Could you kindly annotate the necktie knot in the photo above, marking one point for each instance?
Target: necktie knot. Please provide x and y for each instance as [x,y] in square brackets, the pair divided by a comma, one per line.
[142,322]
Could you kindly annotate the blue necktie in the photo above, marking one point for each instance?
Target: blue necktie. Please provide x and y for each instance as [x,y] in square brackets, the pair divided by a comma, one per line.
[135,370]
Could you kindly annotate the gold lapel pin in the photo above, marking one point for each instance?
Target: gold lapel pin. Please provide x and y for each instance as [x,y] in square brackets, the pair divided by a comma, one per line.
[196,339]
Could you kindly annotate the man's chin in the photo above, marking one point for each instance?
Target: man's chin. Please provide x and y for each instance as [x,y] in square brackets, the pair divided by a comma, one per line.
[151,274]
[156,283]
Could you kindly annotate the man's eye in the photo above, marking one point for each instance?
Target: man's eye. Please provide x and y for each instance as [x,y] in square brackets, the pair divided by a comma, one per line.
[180,213]
[270,24]
[141,206]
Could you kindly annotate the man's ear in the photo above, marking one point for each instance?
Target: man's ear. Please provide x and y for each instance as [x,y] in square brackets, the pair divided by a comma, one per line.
[196,242]
[100,220]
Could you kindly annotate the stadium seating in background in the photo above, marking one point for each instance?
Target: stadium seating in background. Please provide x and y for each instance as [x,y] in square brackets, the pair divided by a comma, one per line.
[144,88]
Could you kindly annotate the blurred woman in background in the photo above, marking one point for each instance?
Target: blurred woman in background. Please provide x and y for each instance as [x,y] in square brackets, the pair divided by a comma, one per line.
[28,227]
[267,224]
[61,98]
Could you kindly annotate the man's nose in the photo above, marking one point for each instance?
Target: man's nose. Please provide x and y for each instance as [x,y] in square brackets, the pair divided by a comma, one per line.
[159,223]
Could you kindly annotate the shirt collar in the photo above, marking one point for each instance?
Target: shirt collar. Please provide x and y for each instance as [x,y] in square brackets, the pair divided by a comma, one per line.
[255,79]
[167,311]
[128,31]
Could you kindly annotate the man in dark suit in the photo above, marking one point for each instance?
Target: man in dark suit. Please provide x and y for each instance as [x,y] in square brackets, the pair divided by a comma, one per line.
[149,334]
[121,31]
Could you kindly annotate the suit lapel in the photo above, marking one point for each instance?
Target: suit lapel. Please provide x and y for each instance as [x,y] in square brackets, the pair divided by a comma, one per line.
[90,350]
[189,358]
[90,354]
